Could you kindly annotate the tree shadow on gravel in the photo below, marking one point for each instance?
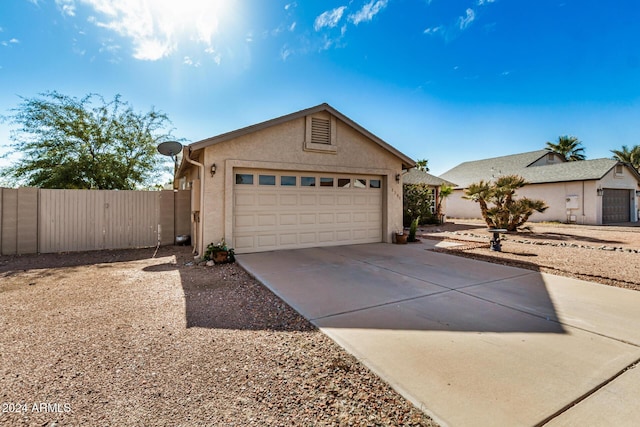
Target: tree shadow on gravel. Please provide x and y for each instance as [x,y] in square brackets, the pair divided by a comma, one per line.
[9,263]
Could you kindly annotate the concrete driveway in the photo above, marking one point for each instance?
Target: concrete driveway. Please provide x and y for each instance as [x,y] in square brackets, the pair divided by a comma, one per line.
[469,342]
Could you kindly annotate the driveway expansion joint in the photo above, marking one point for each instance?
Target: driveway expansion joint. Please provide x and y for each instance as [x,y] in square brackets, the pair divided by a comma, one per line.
[586,395]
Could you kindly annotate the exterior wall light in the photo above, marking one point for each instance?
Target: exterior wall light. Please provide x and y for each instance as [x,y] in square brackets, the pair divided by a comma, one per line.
[600,191]
[397,177]
[213,169]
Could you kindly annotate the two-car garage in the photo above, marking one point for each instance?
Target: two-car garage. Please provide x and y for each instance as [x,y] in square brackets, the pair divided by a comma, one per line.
[296,209]
[310,178]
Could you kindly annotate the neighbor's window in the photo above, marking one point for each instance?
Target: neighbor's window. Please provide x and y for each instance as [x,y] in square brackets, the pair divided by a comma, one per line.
[619,169]
[308,181]
[374,183]
[267,180]
[244,178]
[360,183]
[288,181]
[344,182]
[326,182]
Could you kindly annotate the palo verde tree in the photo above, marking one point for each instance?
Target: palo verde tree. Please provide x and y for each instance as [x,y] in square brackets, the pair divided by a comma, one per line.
[498,204]
[65,142]
[568,147]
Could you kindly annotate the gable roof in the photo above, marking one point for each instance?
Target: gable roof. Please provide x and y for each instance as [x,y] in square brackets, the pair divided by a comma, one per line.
[469,172]
[415,176]
[520,164]
[407,162]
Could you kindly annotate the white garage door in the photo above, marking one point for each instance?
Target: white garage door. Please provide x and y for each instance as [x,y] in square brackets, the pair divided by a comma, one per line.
[285,210]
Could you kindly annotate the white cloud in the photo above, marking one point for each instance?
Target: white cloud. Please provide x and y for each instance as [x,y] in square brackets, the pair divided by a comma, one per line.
[10,42]
[217,57]
[190,62]
[330,18]
[368,11]
[285,52]
[68,7]
[292,27]
[155,28]
[465,21]
[483,2]
[434,30]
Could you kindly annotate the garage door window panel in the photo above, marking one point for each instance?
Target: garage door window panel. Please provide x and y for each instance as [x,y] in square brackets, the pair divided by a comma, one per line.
[267,180]
[288,181]
[326,182]
[344,182]
[360,183]
[374,183]
[308,181]
[244,179]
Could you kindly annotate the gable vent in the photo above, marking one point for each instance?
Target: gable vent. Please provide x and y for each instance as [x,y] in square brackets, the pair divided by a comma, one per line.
[320,131]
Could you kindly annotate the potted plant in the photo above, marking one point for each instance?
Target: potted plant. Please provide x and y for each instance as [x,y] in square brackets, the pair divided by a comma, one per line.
[219,253]
[401,238]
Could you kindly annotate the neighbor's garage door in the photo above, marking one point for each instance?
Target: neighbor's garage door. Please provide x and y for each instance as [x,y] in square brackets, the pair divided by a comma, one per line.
[285,210]
[616,206]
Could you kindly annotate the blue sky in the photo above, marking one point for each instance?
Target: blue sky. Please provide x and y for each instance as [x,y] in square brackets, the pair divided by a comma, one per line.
[446,80]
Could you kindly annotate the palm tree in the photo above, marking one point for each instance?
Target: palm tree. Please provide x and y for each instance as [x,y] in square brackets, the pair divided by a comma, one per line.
[568,147]
[631,156]
[422,165]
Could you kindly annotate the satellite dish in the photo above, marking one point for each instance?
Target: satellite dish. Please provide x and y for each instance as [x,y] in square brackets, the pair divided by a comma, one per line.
[169,148]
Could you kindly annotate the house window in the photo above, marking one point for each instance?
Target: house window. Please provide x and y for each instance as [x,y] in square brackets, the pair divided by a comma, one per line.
[244,178]
[308,181]
[326,182]
[267,180]
[619,169]
[374,183]
[289,181]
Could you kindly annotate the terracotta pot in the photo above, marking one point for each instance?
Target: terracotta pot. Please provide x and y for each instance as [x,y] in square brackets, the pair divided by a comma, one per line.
[220,257]
[401,239]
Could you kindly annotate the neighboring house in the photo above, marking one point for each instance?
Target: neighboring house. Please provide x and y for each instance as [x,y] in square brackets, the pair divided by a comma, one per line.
[599,191]
[311,178]
[415,176]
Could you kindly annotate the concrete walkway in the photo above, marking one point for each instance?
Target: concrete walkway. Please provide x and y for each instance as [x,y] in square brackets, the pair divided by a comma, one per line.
[471,343]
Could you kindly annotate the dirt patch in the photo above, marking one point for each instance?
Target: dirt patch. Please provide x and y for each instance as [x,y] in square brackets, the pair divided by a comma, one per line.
[121,338]
[604,254]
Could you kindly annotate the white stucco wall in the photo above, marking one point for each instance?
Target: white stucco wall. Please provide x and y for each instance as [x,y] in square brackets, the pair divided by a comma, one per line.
[587,206]
[281,147]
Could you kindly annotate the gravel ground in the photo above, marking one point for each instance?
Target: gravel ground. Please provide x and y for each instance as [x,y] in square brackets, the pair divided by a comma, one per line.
[604,254]
[121,338]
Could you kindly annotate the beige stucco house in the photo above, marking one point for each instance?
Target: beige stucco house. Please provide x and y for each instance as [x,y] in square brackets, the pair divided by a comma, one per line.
[599,191]
[310,178]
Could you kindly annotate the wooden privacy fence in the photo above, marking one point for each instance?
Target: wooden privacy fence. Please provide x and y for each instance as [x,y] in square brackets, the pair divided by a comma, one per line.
[36,220]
